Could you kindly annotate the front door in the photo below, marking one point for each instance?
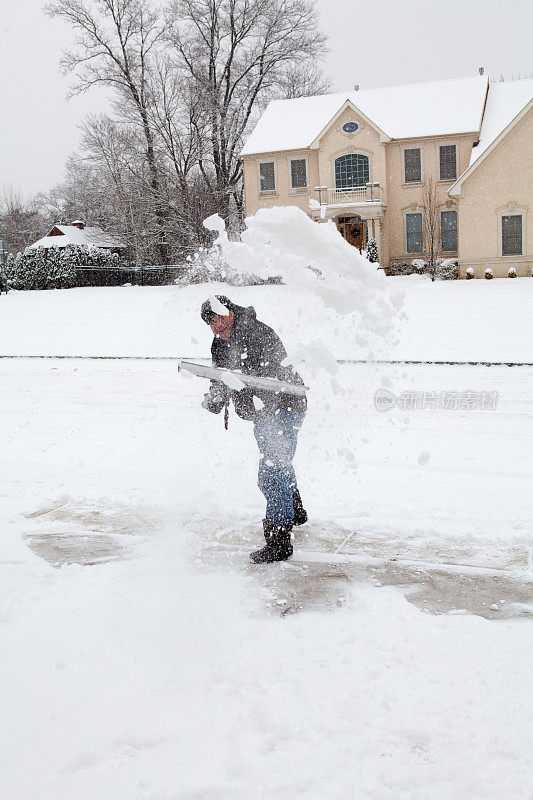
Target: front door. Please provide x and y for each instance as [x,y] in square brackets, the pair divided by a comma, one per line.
[354,230]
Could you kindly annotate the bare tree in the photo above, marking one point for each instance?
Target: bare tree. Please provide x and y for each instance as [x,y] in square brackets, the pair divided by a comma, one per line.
[187,87]
[83,194]
[176,115]
[116,46]
[20,221]
[431,219]
[109,187]
[237,54]
[304,80]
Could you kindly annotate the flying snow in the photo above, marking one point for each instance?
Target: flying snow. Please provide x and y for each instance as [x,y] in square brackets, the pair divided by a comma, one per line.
[215,223]
[232,381]
[315,257]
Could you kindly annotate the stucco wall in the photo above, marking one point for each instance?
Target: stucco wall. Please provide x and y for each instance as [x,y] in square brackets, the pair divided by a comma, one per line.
[320,165]
[320,168]
[504,177]
[336,143]
[502,183]
[405,198]
[283,195]
[386,167]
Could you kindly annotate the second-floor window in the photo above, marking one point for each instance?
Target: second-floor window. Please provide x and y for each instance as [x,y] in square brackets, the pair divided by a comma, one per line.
[351,171]
[448,227]
[413,229]
[512,235]
[298,173]
[412,165]
[448,162]
[267,176]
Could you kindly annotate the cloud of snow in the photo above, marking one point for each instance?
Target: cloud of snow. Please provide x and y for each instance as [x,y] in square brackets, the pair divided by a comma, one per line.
[317,355]
[316,258]
[215,223]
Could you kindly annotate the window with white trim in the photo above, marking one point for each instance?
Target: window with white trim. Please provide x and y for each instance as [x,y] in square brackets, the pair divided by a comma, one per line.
[267,176]
[298,173]
[448,228]
[413,232]
[448,162]
[512,235]
[412,165]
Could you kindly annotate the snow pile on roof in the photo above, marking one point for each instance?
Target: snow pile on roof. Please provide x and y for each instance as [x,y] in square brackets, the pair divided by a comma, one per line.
[88,236]
[421,109]
[317,259]
[504,103]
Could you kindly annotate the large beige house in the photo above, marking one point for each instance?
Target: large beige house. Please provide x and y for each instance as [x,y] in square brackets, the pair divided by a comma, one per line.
[362,159]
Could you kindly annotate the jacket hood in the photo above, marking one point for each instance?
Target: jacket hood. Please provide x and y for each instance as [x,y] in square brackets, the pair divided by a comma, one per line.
[244,313]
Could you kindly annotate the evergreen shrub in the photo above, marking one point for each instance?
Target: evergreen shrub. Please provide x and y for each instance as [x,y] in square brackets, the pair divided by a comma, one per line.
[372,251]
[55,268]
[448,269]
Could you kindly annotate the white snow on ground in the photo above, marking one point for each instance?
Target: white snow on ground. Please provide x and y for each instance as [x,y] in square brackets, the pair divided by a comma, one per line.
[167,672]
[151,678]
[447,320]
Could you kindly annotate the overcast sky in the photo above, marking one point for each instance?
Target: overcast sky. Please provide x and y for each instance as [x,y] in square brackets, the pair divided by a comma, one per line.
[372,44]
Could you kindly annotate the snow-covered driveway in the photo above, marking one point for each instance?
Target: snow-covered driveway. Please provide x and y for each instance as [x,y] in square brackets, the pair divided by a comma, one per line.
[173,670]
[417,481]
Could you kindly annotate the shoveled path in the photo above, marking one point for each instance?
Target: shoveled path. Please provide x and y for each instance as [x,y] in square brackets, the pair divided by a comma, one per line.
[319,579]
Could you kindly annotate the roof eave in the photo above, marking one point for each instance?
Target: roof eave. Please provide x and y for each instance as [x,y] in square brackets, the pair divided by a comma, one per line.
[433,136]
[267,152]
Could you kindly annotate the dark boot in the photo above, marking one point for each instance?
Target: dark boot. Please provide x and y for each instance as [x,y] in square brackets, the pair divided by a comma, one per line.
[300,514]
[278,543]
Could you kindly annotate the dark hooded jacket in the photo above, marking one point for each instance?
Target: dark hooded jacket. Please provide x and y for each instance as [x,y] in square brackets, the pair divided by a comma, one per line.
[255,349]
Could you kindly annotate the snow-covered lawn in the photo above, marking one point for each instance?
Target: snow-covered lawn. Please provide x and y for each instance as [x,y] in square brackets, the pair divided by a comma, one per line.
[447,320]
[163,666]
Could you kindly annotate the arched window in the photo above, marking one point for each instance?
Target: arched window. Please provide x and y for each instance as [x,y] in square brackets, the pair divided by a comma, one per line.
[351,170]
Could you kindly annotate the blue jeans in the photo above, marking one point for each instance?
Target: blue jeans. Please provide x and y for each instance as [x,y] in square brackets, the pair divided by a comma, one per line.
[277,436]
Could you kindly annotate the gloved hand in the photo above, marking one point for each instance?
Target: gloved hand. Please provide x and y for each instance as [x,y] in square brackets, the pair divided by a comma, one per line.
[215,400]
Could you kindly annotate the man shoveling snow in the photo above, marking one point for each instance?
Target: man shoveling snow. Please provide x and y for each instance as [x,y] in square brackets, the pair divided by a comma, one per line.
[241,342]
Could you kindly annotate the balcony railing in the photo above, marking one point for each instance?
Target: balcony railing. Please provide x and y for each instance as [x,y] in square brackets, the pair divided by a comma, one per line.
[371,193]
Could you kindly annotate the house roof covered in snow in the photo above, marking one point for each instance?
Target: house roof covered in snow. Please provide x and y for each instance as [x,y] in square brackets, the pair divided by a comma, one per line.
[72,234]
[506,103]
[400,112]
